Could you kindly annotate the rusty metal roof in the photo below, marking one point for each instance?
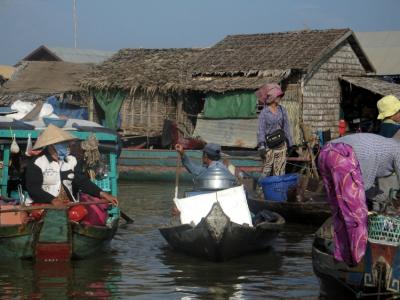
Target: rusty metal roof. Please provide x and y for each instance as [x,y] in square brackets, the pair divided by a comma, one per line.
[228,132]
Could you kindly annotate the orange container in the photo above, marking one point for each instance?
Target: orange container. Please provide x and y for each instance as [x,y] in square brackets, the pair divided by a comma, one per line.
[11,218]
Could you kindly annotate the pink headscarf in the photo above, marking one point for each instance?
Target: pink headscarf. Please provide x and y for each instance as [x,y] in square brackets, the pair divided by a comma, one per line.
[269,92]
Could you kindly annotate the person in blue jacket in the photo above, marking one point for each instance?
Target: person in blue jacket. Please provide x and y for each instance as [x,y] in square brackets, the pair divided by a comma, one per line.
[211,157]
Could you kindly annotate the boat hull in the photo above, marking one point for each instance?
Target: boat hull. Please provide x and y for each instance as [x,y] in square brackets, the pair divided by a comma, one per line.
[217,238]
[87,240]
[62,242]
[160,164]
[377,273]
[310,212]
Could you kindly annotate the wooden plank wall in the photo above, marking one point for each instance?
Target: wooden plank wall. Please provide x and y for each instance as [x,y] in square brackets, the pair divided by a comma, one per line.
[322,92]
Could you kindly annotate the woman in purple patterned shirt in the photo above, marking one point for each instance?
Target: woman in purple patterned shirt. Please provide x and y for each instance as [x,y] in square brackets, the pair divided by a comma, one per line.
[273,117]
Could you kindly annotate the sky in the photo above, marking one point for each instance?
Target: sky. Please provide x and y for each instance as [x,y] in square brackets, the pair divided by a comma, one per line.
[115,24]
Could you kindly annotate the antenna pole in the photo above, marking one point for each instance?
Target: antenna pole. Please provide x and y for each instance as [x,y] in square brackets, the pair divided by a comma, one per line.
[75,23]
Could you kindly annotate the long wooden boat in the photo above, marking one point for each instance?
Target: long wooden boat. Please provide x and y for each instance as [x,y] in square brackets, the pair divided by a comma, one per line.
[377,275]
[160,164]
[314,210]
[55,238]
[217,238]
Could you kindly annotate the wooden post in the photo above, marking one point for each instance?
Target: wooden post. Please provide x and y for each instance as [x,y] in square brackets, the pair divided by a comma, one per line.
[91,108]
[306,136]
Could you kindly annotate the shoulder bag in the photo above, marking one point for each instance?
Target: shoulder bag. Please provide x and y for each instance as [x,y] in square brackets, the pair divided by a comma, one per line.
[276,138]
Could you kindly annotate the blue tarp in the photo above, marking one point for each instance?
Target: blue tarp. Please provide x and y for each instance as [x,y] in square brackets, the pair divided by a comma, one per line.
[66,109]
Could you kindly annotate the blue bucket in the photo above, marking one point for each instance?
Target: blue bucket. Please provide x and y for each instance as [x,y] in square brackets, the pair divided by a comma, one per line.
[275,188]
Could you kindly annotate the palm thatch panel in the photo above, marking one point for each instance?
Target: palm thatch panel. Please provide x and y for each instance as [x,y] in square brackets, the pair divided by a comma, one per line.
[148,69]
[144,115]
[223,84]
[293,106]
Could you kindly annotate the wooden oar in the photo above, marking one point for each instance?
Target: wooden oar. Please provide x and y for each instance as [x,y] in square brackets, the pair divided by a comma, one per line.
[178,166]
[127,219]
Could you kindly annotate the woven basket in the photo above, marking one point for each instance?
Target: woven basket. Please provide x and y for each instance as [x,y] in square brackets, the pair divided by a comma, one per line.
[384,230]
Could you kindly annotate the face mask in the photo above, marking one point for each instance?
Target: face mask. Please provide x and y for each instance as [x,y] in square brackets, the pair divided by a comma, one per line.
[62,150]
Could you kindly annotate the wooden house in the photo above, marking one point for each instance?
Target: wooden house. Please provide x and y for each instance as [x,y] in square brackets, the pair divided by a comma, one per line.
[154,87]
[308,64]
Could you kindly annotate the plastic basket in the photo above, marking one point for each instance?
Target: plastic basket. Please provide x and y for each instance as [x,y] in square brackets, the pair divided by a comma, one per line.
[384,230]
[104,184]
[276,188]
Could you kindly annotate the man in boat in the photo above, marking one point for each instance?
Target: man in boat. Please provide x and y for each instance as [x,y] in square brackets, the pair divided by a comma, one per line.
[213,174]
[211,158]
[55,176]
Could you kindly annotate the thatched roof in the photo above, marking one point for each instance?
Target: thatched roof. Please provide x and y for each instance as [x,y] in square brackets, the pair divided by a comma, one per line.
[222,84]
[375,85]
[46,78]
[148,69]
[6,71]
[251,54]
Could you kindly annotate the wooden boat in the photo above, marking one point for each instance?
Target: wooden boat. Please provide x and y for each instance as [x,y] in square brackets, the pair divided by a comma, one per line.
[160,164]
[378,273]
[53,237]
[314,210]
[219,239]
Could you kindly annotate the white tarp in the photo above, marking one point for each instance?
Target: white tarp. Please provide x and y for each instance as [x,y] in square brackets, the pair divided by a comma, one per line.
[233,202]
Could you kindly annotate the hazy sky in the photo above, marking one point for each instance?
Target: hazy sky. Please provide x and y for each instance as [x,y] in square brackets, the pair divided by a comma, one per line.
[115,24]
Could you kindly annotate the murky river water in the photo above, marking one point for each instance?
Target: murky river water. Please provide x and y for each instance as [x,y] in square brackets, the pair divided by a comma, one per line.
[140,265]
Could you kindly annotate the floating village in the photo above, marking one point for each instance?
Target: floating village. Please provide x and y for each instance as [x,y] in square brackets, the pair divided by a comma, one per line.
[257,140]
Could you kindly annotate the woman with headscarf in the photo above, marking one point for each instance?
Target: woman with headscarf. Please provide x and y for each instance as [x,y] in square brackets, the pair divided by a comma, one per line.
[54,176]
[272,118]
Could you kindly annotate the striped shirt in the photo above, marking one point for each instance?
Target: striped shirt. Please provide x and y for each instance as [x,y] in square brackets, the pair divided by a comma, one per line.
[269,122]
[378,156]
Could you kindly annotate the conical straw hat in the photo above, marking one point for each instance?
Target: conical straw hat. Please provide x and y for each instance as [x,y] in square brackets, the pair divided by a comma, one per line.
[52,135]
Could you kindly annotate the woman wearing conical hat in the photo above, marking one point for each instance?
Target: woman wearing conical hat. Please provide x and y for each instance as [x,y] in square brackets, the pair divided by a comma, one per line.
[54,176]
[389,113]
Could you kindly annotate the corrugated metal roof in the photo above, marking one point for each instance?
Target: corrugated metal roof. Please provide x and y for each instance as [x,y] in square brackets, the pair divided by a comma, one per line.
[81,55]
[376,85]
[383,50]
[228,132]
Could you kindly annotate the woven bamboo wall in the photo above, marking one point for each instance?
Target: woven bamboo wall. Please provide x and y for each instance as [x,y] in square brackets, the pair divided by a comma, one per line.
[322,92]
[292,102]
[144,114]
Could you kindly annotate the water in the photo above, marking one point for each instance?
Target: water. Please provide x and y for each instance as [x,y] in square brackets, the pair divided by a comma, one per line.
[140,265]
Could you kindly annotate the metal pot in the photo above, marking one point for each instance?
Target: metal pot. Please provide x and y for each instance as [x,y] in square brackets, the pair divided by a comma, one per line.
[217,177]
